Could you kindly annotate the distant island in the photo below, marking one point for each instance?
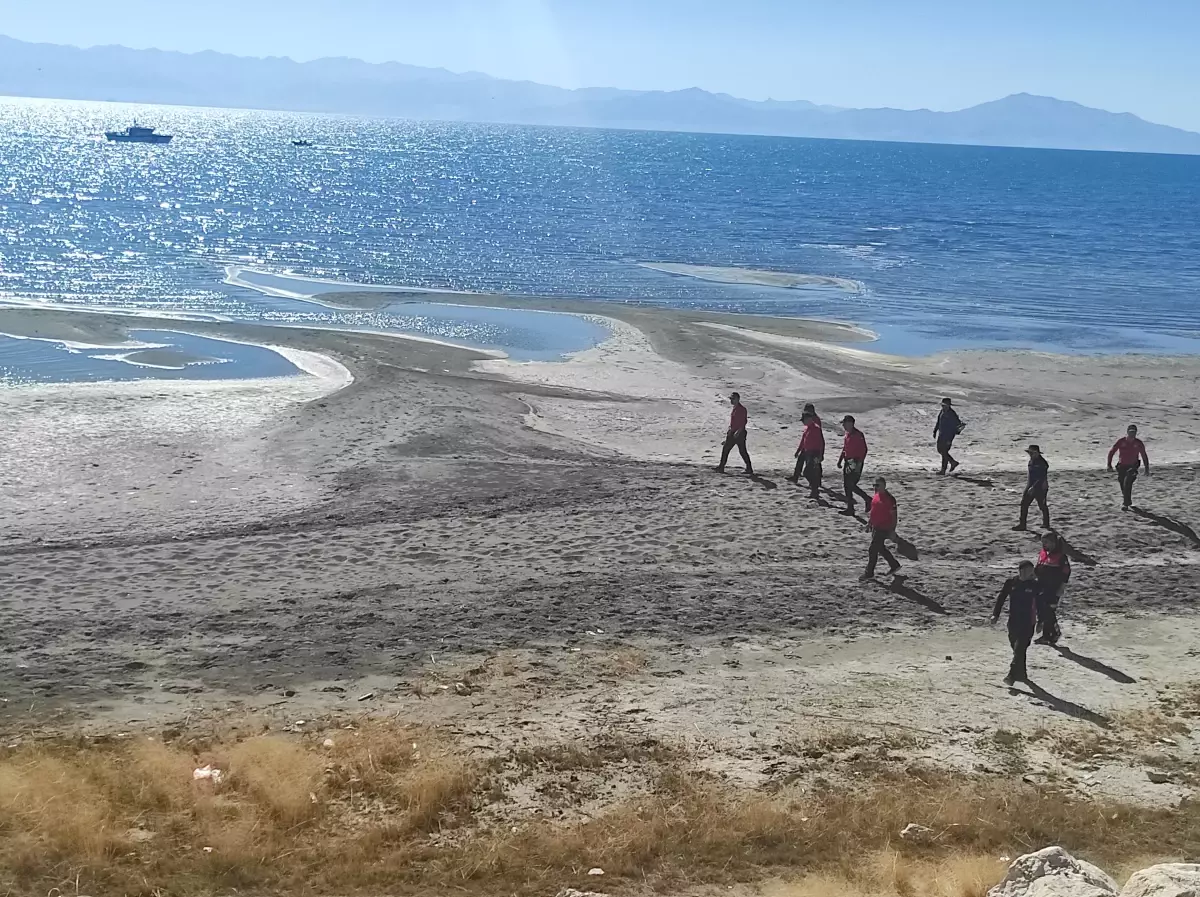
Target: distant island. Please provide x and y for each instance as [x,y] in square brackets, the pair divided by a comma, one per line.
[350,86]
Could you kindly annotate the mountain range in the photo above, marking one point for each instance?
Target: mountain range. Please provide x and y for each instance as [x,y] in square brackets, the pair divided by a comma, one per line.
[393,89]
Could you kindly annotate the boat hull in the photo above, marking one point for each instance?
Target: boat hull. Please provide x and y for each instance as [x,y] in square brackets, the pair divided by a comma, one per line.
[116,137]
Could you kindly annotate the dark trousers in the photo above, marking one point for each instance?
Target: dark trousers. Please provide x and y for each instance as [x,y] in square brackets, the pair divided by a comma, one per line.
[735,439]
[879,549]
[943,447]
[1047,611]
[1020,638]
[1127,475]
[814,473]
[851,474]
[801,464]
[1030,496]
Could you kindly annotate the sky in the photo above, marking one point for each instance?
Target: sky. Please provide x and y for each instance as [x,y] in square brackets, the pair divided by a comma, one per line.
[1118,55]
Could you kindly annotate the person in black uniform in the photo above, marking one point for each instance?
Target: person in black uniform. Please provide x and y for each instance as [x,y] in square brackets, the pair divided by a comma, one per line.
[1036,489]
[1023,594]
[948,426]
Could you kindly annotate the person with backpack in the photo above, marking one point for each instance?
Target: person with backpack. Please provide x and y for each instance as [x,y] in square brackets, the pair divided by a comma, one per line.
[1053,572]
[1037,488]
[1131,454]
[948,426]
[736,435]
[882,520]
[851,461]
[1023,593]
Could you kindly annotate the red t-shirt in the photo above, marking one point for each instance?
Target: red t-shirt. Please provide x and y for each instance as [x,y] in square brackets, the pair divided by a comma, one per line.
[854,446]
[812,442]
[883,511]
[1128,451]
[737,420]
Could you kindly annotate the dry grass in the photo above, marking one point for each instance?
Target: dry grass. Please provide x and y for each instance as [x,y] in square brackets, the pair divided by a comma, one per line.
[1150,725]
[388,809]
[890,874]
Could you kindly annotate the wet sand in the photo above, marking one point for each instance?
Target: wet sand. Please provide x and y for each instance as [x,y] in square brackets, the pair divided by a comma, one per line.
[173,548]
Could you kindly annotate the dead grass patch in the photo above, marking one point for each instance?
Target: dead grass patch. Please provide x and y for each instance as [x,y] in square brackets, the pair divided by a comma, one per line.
[1150,725]
[387,808]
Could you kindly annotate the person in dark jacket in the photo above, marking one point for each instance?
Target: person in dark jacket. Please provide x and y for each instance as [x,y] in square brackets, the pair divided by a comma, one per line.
[736,436]
[1023,593]
[948,425]
[1037,488]
[851,461]
[1053,572]
[1131,453]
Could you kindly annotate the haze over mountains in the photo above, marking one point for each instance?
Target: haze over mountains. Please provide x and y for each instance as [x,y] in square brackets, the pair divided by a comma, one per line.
[392,89]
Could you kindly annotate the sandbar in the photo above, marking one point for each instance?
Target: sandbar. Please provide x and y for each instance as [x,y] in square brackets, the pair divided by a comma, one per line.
[758,277]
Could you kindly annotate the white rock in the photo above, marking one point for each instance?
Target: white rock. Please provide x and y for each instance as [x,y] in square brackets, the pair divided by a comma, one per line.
[1053,872]
[571,892]
[917,834]
[1167,880]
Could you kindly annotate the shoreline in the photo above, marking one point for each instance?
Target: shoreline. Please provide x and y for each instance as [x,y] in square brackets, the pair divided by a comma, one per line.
[483,548]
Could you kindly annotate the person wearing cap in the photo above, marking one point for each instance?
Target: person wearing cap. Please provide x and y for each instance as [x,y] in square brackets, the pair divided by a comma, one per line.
[736,435]
[882,520]
[809,443]
[1131,453]
[851,461]
[812,449]
[948,425]
[1036,489]
[1053,571]
[1023,593]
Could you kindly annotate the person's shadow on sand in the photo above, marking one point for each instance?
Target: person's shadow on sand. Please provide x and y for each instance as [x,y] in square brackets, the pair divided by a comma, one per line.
[974,481]
[1078,556]
[899,586]
[907,550]
[1096,666]
[763,481]
[1062,705]
[1170,523]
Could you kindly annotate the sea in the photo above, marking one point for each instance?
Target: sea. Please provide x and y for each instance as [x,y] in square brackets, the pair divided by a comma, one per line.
[941,247]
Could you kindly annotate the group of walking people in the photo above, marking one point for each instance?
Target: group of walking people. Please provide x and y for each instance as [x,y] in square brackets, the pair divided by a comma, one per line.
[1033,595]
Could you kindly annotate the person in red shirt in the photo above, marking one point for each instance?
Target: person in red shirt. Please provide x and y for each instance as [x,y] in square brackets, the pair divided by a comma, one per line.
[1131,453]
[811,453]
[1053,571]
[854,455]
[882,520]
[736,435]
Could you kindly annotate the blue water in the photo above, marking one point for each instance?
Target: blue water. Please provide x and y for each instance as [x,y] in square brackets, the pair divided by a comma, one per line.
[955,246]
[26,361]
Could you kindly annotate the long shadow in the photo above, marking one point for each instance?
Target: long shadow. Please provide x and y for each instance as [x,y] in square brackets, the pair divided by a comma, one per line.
[1096,666]
[974,481]
[764,482]
[1062,705]
[899,586]
[1175,526]
[1078,556]
[906,548]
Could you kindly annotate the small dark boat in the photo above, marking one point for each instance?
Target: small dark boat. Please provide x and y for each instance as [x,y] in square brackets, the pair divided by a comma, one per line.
[302,143]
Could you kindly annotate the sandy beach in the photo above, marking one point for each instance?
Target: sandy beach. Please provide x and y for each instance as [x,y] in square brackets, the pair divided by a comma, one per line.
[408,517]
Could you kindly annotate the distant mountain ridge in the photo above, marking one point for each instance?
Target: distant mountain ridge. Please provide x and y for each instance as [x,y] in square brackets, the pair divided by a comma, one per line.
[394,89]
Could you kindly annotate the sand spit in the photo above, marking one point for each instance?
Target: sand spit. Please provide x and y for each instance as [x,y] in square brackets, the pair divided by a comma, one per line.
[758,277]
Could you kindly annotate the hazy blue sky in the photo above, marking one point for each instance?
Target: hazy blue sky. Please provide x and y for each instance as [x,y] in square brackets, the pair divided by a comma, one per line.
[943,54]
